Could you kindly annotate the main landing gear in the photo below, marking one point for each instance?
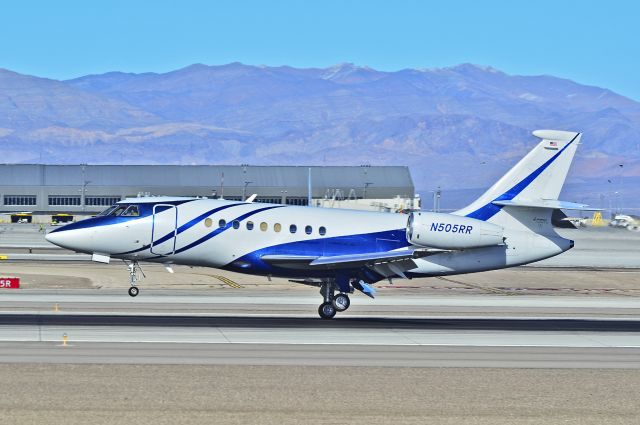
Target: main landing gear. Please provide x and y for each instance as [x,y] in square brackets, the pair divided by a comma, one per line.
[134,269]
[333,303]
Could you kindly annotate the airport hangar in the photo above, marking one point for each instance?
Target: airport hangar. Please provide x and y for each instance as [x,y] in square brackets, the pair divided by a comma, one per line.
[42,191]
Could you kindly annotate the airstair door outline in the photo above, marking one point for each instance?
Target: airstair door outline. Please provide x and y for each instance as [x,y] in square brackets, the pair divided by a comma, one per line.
[164,229]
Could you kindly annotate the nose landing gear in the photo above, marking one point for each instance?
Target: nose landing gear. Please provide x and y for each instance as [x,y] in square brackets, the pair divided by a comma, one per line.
[134,268]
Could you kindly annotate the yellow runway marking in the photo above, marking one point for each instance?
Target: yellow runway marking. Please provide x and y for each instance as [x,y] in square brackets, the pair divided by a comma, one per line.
[4,257]
[228,281]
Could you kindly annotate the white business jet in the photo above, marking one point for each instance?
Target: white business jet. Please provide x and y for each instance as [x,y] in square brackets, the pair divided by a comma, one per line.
[341,251]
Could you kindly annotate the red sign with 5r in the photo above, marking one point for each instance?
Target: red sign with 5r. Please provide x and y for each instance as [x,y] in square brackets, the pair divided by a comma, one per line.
[9,282]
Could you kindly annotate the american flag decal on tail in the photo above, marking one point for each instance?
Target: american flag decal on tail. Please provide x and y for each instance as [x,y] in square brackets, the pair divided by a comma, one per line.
[553,146]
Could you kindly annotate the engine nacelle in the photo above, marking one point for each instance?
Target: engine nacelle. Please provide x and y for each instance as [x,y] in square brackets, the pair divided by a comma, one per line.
[447,231]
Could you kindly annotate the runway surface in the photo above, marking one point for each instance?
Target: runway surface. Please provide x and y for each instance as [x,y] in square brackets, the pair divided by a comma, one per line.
[164,327]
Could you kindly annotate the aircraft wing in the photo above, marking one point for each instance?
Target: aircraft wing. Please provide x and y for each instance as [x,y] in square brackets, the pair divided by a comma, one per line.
[349,261]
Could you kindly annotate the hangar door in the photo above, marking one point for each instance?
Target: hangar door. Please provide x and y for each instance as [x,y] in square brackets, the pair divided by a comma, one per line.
[163,230]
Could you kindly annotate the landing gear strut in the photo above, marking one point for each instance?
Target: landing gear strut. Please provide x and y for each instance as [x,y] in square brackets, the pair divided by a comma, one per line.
[333,303]
[134,268]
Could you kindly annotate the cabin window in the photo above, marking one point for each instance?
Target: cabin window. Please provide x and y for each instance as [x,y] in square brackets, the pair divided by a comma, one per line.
[249,225]
[277,227]
[222,222]
[236,224]
[308,230]
[264,226]
[293,228]
[322,230]
[208,222]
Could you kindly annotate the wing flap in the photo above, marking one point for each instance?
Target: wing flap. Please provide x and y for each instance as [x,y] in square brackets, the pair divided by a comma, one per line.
[350,260]
[372,258]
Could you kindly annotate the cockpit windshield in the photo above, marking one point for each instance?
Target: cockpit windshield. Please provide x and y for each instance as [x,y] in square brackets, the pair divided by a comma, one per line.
[131,211]
[108,211]
[121,210]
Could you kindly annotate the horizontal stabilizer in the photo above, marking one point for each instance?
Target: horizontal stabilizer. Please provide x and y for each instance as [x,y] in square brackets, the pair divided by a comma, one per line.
[545,203]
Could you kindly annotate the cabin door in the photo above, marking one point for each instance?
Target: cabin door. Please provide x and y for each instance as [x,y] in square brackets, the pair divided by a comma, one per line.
[163,230]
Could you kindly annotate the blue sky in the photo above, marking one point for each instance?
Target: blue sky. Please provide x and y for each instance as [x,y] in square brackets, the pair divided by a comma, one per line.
[591,42]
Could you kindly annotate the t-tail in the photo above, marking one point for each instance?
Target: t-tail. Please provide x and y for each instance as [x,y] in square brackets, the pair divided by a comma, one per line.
[525,197]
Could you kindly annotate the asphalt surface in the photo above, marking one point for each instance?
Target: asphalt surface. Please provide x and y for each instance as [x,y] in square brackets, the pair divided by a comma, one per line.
[214,394]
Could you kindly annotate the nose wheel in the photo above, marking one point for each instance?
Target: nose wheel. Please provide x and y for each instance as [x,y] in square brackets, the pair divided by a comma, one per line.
[134,269]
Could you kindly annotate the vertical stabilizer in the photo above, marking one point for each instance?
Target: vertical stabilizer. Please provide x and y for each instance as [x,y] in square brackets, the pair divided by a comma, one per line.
[537,178]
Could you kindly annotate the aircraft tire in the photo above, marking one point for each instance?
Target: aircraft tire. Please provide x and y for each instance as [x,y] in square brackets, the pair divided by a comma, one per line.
[341,302]
[133,291]
[327,310]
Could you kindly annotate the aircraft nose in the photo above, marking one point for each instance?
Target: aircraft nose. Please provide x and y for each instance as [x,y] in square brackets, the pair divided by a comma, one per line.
[58,238]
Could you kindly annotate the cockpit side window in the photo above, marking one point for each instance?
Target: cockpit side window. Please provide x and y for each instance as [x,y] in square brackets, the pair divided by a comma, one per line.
[132,211]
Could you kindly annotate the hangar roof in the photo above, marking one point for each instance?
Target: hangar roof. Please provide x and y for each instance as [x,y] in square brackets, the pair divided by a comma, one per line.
[377,178]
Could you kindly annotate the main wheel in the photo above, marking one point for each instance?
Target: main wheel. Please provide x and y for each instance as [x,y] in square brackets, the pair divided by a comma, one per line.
[341,302]
[327,310]
[133,291]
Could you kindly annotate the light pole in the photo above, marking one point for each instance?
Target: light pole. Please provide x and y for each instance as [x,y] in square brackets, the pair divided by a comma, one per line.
[364,190]
[244,190]
[620,190]
[436,199]
[83,191]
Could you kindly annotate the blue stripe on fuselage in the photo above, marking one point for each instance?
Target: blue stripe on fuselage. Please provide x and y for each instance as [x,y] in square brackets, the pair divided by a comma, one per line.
[339,245]
[182,228]
[222,229]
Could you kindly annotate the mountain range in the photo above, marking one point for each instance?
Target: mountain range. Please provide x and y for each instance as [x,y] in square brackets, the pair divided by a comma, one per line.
[457,127]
